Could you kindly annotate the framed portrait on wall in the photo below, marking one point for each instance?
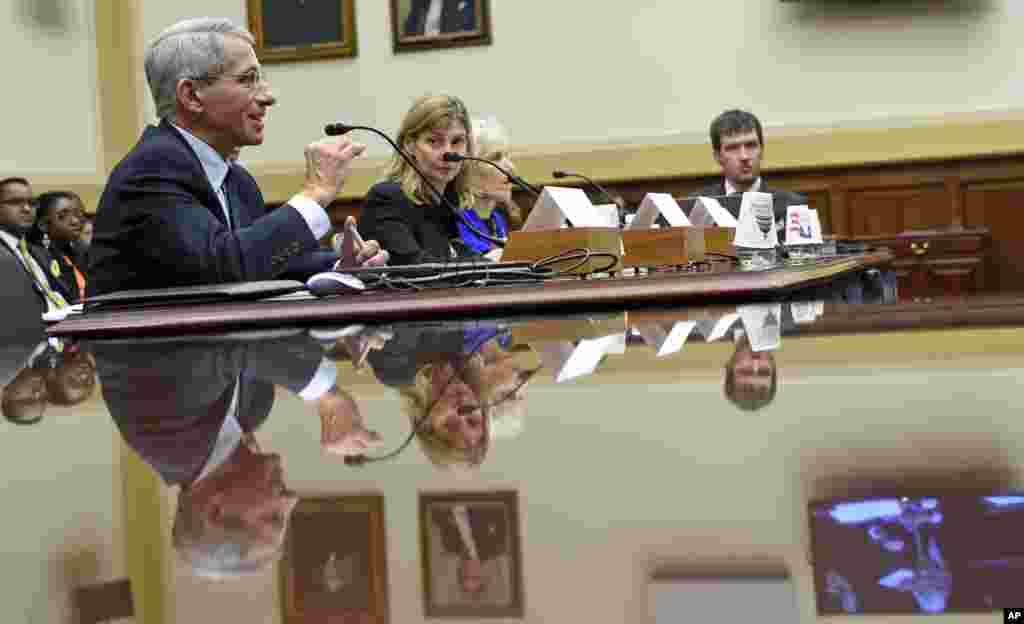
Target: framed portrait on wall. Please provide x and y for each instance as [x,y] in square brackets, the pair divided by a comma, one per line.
[334,563]
[430,24]
[297,30]
[471,554]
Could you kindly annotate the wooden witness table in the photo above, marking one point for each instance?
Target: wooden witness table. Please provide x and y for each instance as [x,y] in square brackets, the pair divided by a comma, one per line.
[560,296]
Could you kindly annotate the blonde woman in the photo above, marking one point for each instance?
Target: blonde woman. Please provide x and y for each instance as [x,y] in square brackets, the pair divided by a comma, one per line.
[402,212]
[493,207]
[455,384]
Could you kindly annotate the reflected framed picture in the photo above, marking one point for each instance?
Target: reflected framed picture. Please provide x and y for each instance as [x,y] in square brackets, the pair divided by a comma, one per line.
[471,553]
[298,30]
[334,567]
[418,25]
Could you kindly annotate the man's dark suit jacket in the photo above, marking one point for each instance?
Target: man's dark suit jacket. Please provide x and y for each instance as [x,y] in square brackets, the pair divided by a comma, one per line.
[170,399]
[456,16]
[160,224]
[780,199]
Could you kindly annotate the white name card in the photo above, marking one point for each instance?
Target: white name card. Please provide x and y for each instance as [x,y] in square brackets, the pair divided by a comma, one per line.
[556,205]
[666,342]
[803,311]
[763,325]
[606,215]
[802,226]
[587,355]
[655,204]
[756,229]
[718,330]
[708,212]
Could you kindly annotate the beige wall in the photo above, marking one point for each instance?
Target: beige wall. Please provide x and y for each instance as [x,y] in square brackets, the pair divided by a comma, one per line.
[48,117]
[563,73]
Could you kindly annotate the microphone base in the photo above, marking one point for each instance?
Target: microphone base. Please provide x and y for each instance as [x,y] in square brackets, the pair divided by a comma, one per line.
[534,245]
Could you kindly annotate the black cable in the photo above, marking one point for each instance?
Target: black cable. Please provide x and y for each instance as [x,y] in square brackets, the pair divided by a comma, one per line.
[339,129]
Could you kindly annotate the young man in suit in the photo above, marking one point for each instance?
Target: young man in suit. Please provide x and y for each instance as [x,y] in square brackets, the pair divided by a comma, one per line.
[737,143]
[25,265]
[177,211]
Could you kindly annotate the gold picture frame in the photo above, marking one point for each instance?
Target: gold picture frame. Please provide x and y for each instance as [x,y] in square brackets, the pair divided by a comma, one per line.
[460,23]
[494,587]
[302,30]
[334,566]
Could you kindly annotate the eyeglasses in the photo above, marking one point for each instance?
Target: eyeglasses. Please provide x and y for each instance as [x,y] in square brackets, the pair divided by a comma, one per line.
[250,79]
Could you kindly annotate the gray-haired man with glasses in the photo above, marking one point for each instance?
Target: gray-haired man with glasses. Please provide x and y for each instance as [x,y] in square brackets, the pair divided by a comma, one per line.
[178,210]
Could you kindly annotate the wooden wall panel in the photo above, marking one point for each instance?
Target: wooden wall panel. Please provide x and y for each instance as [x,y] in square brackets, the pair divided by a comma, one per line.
[880,212]
[1000,207]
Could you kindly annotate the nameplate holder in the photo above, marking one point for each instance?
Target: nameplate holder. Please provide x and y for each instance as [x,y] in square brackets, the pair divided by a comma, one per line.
[535,245]
[667,246]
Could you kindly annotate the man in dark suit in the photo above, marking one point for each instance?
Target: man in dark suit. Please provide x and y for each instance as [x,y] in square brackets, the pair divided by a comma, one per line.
[434,17]
[737,143]
[189,408]
[24,265]
[178,210]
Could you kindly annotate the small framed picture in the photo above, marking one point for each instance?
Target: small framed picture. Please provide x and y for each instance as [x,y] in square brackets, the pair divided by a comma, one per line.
[471,552]
[334,564]
[299,30]
[428,24]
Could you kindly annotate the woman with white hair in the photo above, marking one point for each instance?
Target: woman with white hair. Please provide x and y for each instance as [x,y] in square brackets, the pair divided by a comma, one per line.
[493,208]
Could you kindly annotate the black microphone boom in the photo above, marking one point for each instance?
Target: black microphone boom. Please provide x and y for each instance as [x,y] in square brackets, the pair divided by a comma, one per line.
[521,183]
[338,129]
[558,175]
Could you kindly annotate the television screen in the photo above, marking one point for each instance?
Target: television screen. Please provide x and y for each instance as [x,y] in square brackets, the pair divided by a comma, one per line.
[906,555]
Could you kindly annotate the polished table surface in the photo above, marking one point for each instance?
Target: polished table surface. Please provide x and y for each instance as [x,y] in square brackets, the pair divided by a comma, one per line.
[619,469]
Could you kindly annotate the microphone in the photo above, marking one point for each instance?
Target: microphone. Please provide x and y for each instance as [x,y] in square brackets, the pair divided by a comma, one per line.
[558,175]
[523,184]
[339,128]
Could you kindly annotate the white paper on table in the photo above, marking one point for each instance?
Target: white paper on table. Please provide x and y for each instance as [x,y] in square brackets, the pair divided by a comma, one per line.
[618,345]
[586,356]
[721,327]
[803,311]
[756,228]
[606,215]
[655,204]
[763,325]
[707,211]
[557,204]
[676,337]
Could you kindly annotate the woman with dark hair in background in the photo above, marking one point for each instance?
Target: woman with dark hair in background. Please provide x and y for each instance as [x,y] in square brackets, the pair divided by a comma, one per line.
[58,228]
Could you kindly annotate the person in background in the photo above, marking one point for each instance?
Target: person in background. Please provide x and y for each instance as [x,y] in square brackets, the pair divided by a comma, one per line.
[737,144]
[493,205]
[434,17]
[402,212]
[58,229]
[23,263]
[85,239]
[177,211]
